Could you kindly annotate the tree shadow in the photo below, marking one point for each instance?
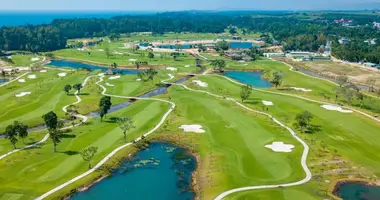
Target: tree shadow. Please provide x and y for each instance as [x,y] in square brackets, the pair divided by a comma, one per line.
[80,94]
[68,136]
[253,101]
[313,129]
[111,120]
[70,153]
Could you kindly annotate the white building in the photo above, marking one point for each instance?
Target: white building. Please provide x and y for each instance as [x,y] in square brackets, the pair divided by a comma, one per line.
[274,55]
[376,25]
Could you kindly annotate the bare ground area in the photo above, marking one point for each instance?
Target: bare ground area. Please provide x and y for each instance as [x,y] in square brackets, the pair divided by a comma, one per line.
[355,73]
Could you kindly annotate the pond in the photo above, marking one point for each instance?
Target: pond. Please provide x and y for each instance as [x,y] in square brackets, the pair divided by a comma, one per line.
[252,78]
[80,65]
[160,172]
[3,80]
[357,191]
[241,45]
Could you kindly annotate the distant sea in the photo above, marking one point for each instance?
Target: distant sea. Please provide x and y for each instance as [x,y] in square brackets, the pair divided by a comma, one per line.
[16,18]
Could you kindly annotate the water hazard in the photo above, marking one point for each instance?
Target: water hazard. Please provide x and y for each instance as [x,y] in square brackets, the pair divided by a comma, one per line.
[252,78]
[160,172]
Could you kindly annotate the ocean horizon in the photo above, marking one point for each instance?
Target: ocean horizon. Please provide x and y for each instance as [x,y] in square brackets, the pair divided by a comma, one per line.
[20,18]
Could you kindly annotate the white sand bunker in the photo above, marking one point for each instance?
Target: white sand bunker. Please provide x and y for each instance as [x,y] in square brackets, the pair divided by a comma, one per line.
[100,50]
[32,76]
[187,65]
[117,53]
[21,80]
[35,59]
[301,89]
[113,77]
[132,60]
[336,108]
[22,94]
[200,83]
[171,68]
[192,128]
[267,103]
[170,75]
[139,79]
[109,84]
[280,147]
[43,71]
[101,74]
[62,74]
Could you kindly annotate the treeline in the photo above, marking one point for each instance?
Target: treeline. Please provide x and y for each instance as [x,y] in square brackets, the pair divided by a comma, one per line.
[293,31]
[31,38]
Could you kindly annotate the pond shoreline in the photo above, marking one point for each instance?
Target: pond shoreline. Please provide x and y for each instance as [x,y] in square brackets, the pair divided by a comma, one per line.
[334,187]
[123,158]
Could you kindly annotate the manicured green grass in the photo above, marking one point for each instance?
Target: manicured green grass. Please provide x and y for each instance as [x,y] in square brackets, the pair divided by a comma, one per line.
[23,60]
[352,136]
[161,60]
[232,148]
[46,95]
[38,170]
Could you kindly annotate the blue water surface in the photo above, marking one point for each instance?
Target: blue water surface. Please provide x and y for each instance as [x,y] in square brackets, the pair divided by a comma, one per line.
[16,18]
[251,78]
[358,191]
[3,80]
[241,45]
[79,65]
[166,176]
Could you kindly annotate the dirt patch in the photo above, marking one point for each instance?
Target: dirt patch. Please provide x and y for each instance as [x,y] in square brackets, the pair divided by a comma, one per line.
[356,73]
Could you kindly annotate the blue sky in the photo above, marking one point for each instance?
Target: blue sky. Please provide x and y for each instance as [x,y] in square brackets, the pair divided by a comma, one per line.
[169,5]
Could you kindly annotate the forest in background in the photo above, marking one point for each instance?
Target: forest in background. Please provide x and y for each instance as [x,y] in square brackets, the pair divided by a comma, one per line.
[304,31]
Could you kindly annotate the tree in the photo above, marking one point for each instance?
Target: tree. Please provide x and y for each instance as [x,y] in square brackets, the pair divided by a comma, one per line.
[151,73]
[245,92]
[303,120]
[218,64]
[150,55]
[67,89]
[202,48]
[78,87]
[114,65]
[342,80]
[11,135]
[107,52]
[233,31]
[51,120]
[56,137]
[104,105]
[125,124]
[222,45]
[53,125]
[277,79]
[114,36]
[21,130]
[88,153]
[361,98]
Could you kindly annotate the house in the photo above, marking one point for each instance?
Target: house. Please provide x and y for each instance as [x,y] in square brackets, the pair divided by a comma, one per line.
[344,41]
[376,25]
[274,55]
[299,54]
